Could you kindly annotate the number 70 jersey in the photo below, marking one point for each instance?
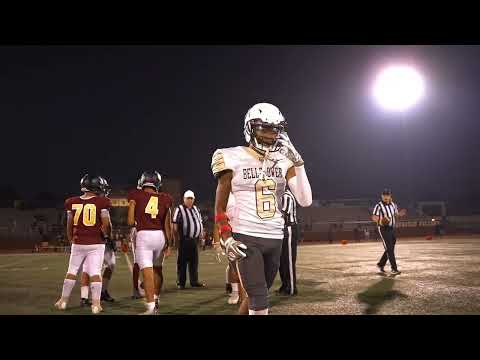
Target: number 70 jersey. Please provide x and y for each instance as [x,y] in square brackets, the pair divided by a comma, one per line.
[87,222]
[257,210]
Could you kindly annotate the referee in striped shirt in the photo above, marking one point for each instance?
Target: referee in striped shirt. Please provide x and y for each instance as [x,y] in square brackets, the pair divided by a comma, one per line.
[288,258]
[385,214]
[188,226]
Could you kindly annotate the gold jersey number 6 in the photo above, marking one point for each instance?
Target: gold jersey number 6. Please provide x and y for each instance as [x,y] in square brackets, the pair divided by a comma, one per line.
[266,200]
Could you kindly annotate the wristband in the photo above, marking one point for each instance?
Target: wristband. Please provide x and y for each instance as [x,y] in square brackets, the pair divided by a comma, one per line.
[225,228]
[220,217]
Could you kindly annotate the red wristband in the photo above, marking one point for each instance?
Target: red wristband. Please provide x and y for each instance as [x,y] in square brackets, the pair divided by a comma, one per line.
[221,217]
[225,228]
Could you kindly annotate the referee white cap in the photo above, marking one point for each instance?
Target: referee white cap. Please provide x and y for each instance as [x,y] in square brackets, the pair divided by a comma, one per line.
[189,194]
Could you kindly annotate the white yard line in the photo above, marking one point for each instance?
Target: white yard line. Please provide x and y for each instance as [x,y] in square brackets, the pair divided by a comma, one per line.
[11,264]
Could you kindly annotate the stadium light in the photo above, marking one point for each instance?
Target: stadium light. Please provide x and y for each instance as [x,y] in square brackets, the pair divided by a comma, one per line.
[398,88]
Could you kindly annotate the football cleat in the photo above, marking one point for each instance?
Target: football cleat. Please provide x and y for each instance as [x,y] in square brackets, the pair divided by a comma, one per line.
[149,312]
[106,297]
[61,305]
[198,285]
[96,309]
[136,295]
[281,291]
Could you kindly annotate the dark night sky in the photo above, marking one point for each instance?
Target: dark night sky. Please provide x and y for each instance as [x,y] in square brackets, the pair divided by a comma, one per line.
[119,109]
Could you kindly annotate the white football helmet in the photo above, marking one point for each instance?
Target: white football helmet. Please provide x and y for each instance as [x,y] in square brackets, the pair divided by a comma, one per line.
[263,114]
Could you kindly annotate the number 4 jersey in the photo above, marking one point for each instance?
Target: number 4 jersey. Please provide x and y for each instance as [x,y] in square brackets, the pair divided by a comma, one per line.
[257,210]
[87,224]
[150,209]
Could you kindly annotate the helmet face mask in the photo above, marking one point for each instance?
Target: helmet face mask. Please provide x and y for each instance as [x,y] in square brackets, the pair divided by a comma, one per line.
[266,135]
[261,119]
[106,188]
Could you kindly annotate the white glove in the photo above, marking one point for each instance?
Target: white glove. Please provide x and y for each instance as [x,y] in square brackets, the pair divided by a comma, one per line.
[233,249]
[288,150]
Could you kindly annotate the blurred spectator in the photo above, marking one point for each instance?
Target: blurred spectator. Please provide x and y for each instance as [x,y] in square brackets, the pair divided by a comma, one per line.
[330,234]
[203,238]
[356,234]
[366,233]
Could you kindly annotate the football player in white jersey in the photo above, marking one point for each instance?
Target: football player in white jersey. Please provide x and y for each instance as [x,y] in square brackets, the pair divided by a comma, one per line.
[256,176]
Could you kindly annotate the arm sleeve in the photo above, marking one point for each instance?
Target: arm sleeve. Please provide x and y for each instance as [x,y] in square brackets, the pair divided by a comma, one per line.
[376,210]
[300,187]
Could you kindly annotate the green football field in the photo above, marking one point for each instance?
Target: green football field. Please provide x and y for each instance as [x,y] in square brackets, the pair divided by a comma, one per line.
[440,276]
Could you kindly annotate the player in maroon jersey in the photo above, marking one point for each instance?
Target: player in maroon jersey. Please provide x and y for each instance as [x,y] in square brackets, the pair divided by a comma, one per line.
[88,224]
[138,291]
[109,262]
[150,212]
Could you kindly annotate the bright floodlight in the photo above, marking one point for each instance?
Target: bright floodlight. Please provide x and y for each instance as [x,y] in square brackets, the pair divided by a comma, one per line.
[398,88]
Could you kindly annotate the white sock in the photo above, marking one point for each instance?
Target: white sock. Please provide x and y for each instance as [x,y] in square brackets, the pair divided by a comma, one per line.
[151,306]
[105,283]
[234,287]
[68,285]
[84,292]
[258,312]
[96,288]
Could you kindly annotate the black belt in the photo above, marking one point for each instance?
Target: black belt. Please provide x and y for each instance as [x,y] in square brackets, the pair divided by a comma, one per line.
[387,227]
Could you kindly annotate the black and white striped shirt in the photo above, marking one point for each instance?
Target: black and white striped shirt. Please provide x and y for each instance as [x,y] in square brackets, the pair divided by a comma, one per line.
[190,220]
[386,210]
[289,207]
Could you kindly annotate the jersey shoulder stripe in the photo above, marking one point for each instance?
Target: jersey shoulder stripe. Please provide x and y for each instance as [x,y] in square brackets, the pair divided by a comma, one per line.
[218,162]
[223,159]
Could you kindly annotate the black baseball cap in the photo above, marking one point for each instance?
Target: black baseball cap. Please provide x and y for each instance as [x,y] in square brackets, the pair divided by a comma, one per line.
[386,192]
